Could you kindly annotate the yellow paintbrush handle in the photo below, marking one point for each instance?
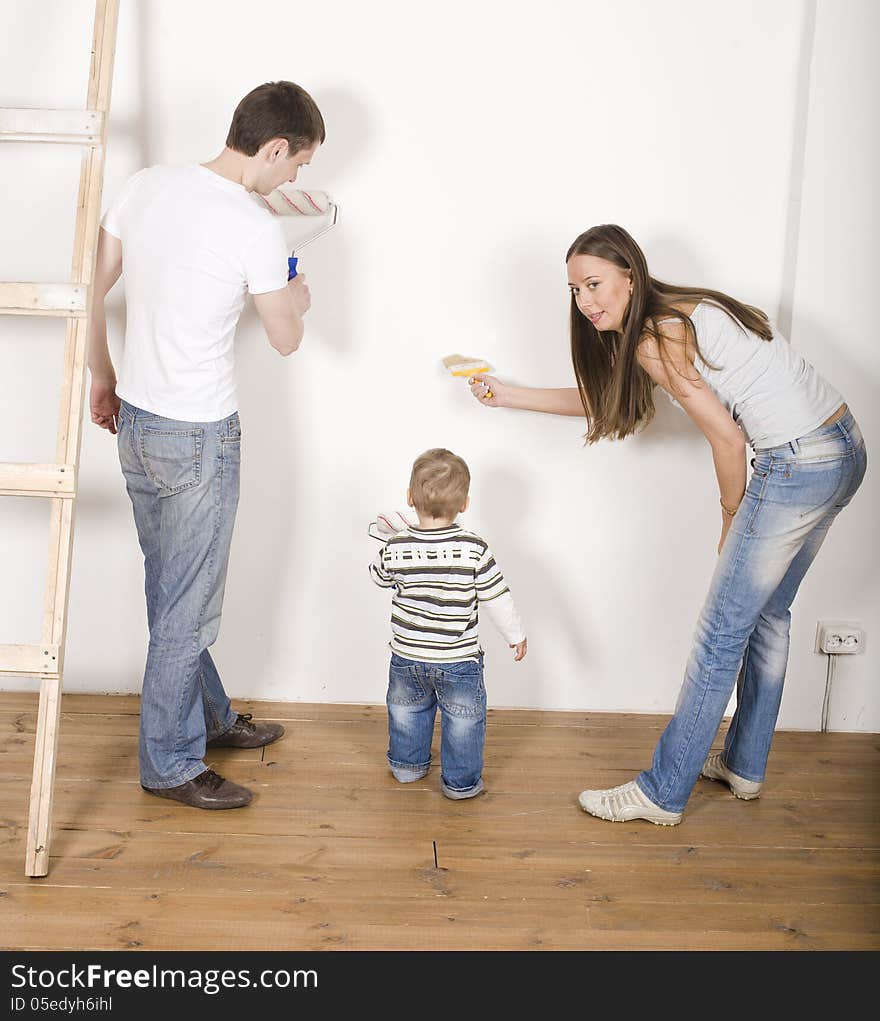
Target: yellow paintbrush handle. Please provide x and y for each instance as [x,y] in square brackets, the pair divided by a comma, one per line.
[488,393]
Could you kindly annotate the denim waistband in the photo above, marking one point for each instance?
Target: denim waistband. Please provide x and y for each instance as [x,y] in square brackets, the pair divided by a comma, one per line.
[845,429]
[134,414]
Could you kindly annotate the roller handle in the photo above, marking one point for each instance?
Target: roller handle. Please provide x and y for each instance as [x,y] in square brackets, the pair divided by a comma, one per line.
[291,267]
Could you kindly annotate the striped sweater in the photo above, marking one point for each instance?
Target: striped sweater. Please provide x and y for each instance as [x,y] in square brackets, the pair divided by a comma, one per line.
[440,577]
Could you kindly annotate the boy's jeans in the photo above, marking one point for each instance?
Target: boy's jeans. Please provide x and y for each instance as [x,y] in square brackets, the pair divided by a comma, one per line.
[794,494]
[415,689]
[183,480]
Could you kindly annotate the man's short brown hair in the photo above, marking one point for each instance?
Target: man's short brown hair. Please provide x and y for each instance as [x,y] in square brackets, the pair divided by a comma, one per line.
[439,483]
[275,110]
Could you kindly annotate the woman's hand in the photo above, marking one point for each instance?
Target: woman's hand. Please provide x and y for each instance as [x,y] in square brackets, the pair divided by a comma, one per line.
[488,390]
[726,521]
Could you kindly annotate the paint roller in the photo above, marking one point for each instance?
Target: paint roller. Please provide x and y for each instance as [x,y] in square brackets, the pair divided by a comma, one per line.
[289,201]
[389,523]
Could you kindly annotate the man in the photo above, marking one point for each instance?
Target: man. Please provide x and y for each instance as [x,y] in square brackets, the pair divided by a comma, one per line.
[194,242]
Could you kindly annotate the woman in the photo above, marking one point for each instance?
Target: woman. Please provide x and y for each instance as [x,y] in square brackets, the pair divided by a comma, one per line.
[739,382]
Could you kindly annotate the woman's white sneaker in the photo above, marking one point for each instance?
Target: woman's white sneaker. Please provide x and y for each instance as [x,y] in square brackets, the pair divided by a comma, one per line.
[625,803]
[714,769]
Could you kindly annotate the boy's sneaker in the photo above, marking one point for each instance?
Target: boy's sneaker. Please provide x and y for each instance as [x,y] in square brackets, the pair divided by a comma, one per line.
[408,775]
[456,795]
[625,803]
[714,769]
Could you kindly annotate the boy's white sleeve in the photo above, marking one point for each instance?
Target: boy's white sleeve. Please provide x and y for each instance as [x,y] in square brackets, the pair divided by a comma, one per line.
[505,618]
[494,597]
[378,573]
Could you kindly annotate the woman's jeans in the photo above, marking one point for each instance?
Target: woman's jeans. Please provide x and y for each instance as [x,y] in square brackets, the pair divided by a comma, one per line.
[415,689]
[795,492]
[183,481]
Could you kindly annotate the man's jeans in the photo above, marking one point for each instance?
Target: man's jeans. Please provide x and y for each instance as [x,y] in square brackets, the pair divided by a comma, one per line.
[795,492]
[183,480]
[415,689]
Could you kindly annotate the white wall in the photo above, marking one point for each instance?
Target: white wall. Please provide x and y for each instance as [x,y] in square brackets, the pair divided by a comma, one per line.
[466,148]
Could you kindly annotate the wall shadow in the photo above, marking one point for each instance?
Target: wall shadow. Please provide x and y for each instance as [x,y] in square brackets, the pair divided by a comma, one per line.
[785,311]
[329,264]
[557,622]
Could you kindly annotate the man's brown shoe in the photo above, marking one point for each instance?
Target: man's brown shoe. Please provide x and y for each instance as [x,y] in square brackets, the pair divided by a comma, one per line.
[244,734]
[207,790]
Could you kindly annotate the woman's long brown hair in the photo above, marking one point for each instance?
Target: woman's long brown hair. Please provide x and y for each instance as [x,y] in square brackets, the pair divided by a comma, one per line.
[616,392]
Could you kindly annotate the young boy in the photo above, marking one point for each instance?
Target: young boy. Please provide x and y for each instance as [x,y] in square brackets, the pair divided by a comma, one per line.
[441,575]
[195,244]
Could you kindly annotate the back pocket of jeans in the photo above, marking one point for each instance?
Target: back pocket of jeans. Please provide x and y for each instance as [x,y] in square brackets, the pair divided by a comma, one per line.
[461,692]
[405,686]
[172,458]
[230,440]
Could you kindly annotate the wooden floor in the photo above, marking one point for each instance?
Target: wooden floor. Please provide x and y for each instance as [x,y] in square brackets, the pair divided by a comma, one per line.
[334,854]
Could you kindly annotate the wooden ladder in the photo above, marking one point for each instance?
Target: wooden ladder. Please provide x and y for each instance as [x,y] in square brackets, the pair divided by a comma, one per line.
[58,482]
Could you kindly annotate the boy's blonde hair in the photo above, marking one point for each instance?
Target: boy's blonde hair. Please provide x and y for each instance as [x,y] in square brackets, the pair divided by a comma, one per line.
[439,483]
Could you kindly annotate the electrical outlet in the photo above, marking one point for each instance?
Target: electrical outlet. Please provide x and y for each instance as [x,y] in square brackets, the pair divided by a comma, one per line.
[839,637]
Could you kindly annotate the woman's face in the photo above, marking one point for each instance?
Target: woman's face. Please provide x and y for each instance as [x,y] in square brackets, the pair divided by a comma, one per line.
[601,290]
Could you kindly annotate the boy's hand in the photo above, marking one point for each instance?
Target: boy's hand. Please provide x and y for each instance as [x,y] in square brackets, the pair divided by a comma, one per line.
[520,648]
[104,404]
[299,289]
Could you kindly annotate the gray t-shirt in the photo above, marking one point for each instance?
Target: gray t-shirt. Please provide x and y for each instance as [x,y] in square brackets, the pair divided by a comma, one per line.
[771,391]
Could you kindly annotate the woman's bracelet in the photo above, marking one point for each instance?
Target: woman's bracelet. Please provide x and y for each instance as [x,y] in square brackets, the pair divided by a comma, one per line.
[730,513]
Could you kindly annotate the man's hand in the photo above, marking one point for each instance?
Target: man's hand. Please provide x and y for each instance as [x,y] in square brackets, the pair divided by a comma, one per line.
[104,404]
[299,290]
[520,650]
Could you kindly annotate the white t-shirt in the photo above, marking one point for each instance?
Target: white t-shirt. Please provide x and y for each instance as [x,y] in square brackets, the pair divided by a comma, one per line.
[193,245]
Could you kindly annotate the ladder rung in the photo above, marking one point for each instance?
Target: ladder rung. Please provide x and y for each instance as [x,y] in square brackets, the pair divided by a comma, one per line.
[72,127]
[52,480]
[67,300]
[28,659]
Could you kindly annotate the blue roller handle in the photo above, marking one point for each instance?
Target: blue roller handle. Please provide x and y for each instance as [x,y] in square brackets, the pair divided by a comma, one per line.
[291,267]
